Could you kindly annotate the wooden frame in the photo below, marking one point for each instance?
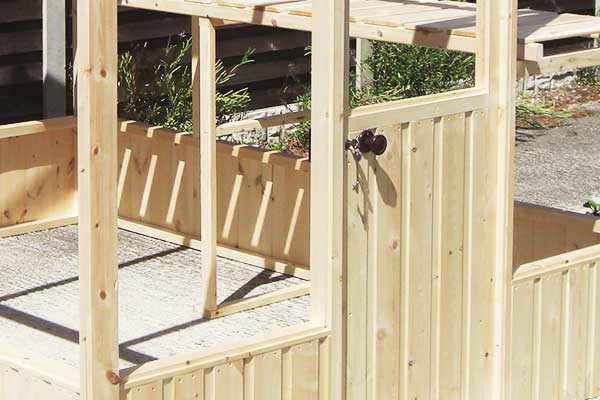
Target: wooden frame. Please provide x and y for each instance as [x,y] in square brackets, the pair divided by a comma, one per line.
[97,159]
[390,270]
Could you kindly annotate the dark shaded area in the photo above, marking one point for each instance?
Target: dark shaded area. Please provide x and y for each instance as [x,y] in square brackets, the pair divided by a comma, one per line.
[278,74]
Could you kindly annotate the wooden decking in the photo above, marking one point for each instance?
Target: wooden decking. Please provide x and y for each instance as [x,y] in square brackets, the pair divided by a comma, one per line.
[440,24]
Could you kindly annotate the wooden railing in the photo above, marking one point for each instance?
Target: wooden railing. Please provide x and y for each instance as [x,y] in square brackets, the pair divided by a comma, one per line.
[286,365]
[555,328]
[27,377]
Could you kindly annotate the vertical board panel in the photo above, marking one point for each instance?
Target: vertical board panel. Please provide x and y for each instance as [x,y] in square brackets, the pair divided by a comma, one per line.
[426,209]
[297,372]
[359,213]
[417,217]
[302,377]
[263,205]
[480,251]
[547,377]
[384,284]
[554,328]
[448,254]
[522,342]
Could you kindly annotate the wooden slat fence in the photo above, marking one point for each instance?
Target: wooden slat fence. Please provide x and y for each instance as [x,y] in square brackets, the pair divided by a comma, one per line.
[25,378]
[555,328]
[289,369]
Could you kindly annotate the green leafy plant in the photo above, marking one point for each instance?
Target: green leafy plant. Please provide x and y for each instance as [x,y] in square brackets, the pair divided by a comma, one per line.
[399,71]
[589,76]
[534,115]
[593,207]
[165,97]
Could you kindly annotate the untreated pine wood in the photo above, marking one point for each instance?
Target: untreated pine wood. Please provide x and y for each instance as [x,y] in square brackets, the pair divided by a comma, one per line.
[97,157]
[208,159]
[329,116]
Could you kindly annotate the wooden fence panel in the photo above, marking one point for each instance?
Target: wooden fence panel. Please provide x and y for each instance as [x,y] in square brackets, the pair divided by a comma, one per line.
[542,232]
[37,175]
[262,197]
[554,328]
[28,378]
[423,207]
[285,373]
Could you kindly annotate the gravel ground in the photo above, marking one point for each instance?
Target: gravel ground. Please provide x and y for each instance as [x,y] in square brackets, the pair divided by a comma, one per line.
[560,167]
[159,296]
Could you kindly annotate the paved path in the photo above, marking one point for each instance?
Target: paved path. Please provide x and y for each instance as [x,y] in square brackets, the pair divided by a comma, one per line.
[159,297]
[560,167]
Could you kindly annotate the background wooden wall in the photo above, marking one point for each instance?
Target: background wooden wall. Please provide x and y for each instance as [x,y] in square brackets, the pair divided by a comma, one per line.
[278,73]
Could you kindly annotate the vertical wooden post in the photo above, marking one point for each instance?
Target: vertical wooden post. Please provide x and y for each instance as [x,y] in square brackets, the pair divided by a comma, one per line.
[500,75]
[329,114]
[54,58]
[205,125]
[364,49]
[97,160]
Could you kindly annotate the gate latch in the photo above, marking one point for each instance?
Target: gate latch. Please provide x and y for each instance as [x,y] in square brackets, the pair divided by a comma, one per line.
[367,142]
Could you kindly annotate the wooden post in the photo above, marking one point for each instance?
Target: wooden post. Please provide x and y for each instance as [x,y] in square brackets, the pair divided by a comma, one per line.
[364,75]
[54,58]
[499,73]
[329,114]
[97,165]
[205,125]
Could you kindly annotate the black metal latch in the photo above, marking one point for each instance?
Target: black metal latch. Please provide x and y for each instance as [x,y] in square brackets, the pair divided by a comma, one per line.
[367,142]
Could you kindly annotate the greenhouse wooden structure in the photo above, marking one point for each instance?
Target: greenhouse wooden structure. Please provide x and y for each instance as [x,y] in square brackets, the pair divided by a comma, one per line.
[425,280]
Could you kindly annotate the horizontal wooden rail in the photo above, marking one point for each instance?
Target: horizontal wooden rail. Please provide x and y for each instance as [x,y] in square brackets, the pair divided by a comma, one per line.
[418,108]
[34,127]
[241,150]
[37,225]
[238,350]
[535,62]
[244,256]
[248,303]
[556,264]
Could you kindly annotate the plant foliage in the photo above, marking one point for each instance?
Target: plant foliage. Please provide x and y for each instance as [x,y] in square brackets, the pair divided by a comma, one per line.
[165,97]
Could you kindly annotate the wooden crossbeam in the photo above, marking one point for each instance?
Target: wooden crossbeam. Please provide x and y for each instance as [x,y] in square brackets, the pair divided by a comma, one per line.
[261,300]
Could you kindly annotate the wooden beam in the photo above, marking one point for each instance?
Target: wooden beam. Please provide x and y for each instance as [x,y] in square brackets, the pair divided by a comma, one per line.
[97,165]
[35,127]
[329,116]
[35,226]
[254,259]
[499,74]
[364,76]
[54,58]
[206,99]
[261,300]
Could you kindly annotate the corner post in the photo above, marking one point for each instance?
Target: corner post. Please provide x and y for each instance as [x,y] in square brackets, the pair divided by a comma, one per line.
[329,115]
[205,126]
[498,72]
[97,160]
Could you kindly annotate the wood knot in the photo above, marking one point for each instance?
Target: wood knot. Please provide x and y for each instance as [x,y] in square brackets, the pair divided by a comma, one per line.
[103,72]
[103,294]
[113,378]
[96,150]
